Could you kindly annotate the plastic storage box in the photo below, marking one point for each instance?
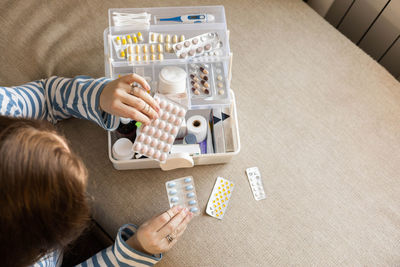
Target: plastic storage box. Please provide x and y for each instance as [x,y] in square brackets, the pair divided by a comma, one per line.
[127,56]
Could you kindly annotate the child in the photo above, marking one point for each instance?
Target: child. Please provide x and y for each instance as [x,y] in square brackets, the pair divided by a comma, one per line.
[43,202]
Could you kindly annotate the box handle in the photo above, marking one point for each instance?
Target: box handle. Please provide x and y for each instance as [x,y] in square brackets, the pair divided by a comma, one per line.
[176,161]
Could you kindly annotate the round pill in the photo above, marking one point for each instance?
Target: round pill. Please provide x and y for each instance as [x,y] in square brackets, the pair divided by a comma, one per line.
[147,140]
[187,44]
[181,112]
[219,78]
[157,134]
[175,39]
[163,157]
[174,199]
[171,118]
[190,195]
[172,192]
[189,187]
[175,110]
[164,136]
[145,129]
[167,127]
[195,41]
[167,148]
[199,50]
[178,122]
[218,71]
[160,145]
[192,202]
[143,150]
[178,47]
[157,155]
[194,209]
[163,103]
[155,122]
[137,146]
[220,85]
[183,55]
[154,142]
[170,139]
[150,152]
[192,53]
[207,47]
[221,92]
[171,184]
[161,125]
[174,130]
[165,116]
[169,107]
[160,112]
[187,180]
[141,138]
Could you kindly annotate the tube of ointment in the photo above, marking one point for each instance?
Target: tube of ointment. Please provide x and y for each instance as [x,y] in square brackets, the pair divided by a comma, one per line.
[191,149]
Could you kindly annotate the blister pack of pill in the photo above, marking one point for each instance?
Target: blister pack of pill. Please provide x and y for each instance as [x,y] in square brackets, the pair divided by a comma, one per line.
[182,192]
[198,46]
[155,140]
[256,184]
[155,37]
[219,79]
[142,52]
[121,41]
[219,199]
[199,80]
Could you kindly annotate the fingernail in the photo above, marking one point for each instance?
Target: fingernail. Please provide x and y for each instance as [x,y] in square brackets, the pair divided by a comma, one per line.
[186,210]
[191,214]
[179,208]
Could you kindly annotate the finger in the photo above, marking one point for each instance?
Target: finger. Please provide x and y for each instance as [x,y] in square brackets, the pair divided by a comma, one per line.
[158,222]
[182,227]
[130,78]
[129,112]
[138,92]
[140,105]
[171,226]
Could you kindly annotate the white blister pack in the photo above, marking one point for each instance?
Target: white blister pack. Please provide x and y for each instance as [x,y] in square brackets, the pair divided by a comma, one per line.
[155,140]
[182,192]
[256,184]
[197,46]
[219,199]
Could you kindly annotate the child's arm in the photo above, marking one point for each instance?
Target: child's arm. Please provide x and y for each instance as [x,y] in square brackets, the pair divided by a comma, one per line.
[58,98]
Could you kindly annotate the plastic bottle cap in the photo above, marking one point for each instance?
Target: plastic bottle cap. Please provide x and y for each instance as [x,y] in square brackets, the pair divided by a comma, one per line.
[125,120]
[122,149]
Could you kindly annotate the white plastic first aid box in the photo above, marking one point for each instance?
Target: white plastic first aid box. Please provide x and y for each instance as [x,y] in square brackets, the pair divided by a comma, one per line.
[119,61]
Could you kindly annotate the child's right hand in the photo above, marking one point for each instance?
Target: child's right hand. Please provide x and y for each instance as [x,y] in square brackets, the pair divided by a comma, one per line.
[120,99]
[151,237]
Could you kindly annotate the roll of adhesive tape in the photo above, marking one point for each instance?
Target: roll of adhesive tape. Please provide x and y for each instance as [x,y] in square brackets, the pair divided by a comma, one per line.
[122,149]
[172,80]
[197,125]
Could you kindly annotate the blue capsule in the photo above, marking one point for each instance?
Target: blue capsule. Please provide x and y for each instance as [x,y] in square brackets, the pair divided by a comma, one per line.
[189,187]
[171,184]
[192,202]
[190,195]
[188,180]
[194,209]
[174,199]
[172,192]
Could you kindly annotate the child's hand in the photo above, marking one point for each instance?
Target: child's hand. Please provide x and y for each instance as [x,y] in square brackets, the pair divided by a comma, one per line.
[120,99]
[151,237]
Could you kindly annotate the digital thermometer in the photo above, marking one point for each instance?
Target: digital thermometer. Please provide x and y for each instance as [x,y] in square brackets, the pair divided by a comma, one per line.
[195,18]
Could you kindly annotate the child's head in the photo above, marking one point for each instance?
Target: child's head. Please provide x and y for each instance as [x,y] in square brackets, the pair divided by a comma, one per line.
[43,202]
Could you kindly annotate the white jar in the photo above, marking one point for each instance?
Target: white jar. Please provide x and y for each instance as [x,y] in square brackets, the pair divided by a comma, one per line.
[172,80]
[123,149]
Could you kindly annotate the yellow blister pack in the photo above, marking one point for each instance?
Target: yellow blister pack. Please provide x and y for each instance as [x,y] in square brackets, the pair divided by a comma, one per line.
[219,199]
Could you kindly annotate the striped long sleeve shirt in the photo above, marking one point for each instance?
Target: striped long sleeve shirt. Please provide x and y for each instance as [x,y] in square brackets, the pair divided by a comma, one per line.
[55,99]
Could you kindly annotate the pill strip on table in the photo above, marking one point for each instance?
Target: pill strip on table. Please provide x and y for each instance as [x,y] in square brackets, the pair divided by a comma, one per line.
[219,199]
[256,184]
[182,192]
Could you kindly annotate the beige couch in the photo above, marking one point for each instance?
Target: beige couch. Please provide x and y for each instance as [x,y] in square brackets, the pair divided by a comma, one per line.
[317,115]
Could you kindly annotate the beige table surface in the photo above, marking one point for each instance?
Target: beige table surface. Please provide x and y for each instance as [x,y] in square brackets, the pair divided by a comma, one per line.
[317,115]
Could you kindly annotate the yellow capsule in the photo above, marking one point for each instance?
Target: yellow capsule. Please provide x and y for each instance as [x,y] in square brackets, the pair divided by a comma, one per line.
[159,48]
[182,38]
[168,48]
[217,215]
[227,187]
[221,185]
[123,41]
[145,49]
[231,184]
[137,58]
[224,205]
[122,53]
[217,198]
[215,206]
[135,39]
[219,192]
[129,39]
[153,37]
[218,204]
[229,191]
[119,76]
[219,208]
[137,48]
[160,56]
[216,195]
[168,38]
[221,212]
[213,201]
[223,189]
[140,37]
[224,194]
[118,40]
[226,198]
[222,201]
[152,48]
[219,188]
[160,38]
[175,39]
[145,57]
[153,57]
[130,50]
[130,58]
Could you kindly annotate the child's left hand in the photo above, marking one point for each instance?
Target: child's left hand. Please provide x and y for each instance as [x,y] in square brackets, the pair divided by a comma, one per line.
[121,99]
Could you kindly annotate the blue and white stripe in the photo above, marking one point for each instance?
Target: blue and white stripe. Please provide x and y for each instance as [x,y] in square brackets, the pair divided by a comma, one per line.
[58,98]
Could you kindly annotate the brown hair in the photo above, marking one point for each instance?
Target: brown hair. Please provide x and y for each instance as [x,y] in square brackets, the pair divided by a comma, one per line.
[43,202]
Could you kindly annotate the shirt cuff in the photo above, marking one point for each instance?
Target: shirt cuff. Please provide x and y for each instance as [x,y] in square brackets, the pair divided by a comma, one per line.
[108,121]
[127,255]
